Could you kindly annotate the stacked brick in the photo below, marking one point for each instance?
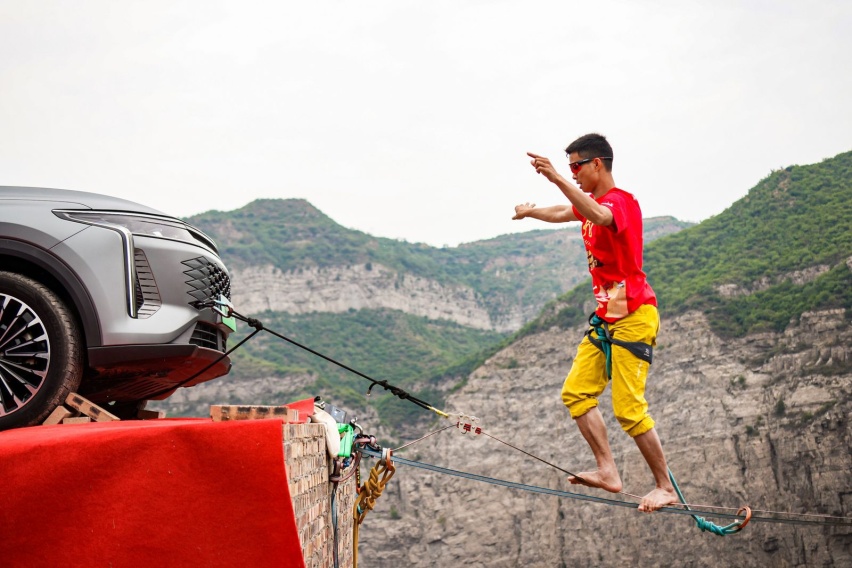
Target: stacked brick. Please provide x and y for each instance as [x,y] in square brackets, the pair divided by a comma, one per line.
[308,466]
[308,472]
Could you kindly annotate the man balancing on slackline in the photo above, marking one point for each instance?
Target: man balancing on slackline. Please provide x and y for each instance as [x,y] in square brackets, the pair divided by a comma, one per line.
[626,305]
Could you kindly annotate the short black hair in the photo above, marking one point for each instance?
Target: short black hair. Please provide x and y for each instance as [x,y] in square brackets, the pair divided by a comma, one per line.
[592,146]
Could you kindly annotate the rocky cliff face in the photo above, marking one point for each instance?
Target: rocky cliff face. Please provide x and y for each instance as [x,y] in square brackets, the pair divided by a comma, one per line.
[341,288]
[762,420]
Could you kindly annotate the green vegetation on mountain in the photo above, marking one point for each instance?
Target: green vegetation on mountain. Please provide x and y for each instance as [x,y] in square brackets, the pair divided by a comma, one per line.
[794,222]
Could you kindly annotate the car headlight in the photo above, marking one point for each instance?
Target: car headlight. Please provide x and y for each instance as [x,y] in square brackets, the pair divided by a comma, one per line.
[140,224]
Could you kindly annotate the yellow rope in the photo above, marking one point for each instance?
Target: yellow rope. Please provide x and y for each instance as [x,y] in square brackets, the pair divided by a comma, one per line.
[367,495]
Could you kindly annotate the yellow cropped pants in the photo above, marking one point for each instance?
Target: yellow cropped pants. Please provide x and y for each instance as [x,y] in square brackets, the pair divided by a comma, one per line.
[587,378]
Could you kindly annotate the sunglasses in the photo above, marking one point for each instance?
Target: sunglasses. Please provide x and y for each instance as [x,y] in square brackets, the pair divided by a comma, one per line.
[575,166]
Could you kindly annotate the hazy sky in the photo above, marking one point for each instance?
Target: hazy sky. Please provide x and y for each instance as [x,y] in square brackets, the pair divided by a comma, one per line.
[411,119]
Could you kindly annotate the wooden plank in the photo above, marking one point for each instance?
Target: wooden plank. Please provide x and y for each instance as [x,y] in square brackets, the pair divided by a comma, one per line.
[76,420]
[224,412]
[90,409]
[58,415]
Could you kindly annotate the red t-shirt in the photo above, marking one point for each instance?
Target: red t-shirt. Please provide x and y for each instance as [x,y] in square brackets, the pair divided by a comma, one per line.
[615,257]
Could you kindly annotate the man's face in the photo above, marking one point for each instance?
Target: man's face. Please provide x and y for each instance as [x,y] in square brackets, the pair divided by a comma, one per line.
[583,172]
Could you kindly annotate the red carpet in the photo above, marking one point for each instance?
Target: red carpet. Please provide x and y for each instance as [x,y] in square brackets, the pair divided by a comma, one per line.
[161,493]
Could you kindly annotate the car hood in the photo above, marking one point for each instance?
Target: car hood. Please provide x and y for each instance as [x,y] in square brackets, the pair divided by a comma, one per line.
[76,199]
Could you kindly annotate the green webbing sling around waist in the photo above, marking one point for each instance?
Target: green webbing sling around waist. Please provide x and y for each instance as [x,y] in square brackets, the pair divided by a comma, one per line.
[604,341]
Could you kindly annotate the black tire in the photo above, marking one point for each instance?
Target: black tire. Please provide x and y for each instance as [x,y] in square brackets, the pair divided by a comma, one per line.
[41,351]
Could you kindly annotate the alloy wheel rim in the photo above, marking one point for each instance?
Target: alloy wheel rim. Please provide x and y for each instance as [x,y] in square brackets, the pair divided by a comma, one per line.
[24,354]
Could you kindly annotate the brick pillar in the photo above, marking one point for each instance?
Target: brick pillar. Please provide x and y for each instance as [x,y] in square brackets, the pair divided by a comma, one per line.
[307,471]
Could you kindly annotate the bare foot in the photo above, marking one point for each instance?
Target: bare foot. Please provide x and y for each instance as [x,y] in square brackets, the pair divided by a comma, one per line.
[608,481]
[657,499]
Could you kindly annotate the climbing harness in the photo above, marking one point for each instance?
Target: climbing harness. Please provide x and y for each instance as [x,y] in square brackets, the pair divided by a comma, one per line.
[604,341]
[368,493]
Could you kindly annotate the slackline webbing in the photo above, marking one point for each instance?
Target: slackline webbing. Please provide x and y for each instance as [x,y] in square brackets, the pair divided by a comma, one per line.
[579,496]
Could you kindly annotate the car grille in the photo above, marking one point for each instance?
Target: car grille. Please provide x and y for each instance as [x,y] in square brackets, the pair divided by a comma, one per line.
[147,295]
[207,280]
[205,335]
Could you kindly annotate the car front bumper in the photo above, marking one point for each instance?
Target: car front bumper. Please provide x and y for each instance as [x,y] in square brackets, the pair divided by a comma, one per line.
[140,372]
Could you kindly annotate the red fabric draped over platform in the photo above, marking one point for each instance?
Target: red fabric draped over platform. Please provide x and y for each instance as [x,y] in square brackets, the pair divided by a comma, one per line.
[159,493]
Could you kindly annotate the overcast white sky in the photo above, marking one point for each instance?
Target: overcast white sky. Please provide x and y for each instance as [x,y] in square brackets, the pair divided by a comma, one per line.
[411,120]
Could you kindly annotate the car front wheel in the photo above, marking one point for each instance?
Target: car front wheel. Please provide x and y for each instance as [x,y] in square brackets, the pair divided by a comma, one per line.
[41,351]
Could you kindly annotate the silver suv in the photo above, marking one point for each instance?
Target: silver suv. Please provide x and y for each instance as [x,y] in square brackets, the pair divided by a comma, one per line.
[104,297]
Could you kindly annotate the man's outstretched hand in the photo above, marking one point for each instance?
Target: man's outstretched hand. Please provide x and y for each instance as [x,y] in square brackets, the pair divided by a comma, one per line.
[543,166]
[523,210]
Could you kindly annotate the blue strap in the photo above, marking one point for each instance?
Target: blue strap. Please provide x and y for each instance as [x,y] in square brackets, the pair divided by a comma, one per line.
[703,523]
[604,344]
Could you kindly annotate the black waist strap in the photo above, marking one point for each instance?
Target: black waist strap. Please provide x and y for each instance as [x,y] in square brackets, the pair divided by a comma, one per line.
[604,341]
